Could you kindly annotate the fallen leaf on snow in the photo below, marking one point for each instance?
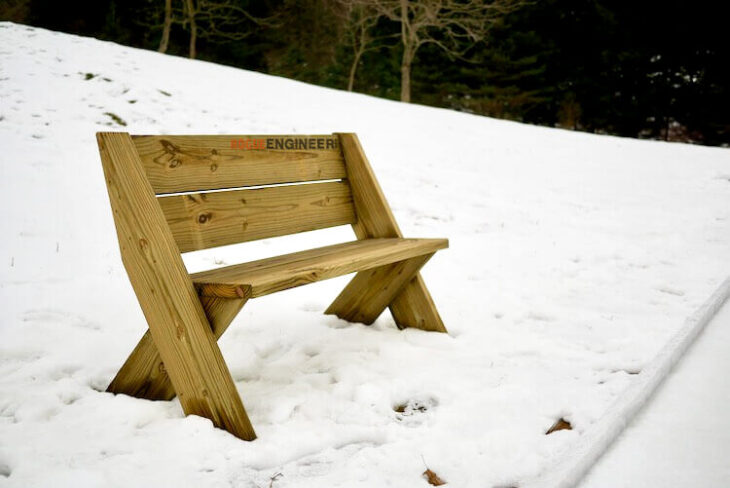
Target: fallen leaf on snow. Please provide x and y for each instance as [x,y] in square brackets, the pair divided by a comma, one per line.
[433,478]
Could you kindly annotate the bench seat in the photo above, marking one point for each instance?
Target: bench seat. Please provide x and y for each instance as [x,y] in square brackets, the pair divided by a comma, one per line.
[264,276]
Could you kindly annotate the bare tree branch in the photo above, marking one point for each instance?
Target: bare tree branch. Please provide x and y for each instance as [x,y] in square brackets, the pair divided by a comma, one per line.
[360,19]
[452,25]
[220,20]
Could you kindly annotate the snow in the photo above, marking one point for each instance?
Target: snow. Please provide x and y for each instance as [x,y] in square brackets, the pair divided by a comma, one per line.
[573,260]
[593,444]
[683,435]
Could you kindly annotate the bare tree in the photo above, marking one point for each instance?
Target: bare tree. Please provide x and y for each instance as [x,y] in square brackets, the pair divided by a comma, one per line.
[166,27]
[190,12]
[220,20]
[360,19]
[160,14]
[452,25]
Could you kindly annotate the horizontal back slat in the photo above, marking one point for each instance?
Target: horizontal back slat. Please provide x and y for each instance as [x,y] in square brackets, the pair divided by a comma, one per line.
[198,163]
[204,220]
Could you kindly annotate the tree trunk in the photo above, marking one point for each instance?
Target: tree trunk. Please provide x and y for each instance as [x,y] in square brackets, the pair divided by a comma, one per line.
[165,41]
[193,38]
[353,70]
[193,28]
[405,79]
[408,53]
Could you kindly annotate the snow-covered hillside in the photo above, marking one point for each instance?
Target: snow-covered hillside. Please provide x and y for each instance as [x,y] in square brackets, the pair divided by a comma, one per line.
[573,258]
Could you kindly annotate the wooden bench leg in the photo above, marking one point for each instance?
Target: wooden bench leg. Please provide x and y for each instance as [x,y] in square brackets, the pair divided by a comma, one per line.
[143,374]
[176,319]
[371,291]
[414,307]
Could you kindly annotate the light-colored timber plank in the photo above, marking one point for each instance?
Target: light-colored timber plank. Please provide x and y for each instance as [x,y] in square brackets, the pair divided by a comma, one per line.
[370,292]
[143,374]
[197,163]
[413,307]
[375,219]
[282,272]
[177,323]
[204,220]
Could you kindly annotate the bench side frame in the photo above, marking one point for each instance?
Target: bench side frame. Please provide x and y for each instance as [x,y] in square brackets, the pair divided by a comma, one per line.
[178,325]
[413,305]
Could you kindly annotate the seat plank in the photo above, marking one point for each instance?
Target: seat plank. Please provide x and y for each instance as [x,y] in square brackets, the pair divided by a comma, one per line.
[198,163]
[204,220]
[288,271]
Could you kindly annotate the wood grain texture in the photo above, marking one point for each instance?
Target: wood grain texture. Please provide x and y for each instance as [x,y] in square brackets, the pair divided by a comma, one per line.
[374,217]
[370,292]
[288,271]
[143,375]
[188,313]
[204,220]
[197,163]
[177,323]
[413,307]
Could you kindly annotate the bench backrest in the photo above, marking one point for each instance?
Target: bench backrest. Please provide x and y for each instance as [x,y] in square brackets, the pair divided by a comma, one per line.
[218,190]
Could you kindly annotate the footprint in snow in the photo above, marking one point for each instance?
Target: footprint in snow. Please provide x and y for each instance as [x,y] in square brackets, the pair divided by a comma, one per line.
[671,291]
[311,307]
[540,317]
[58,316]
[414,407]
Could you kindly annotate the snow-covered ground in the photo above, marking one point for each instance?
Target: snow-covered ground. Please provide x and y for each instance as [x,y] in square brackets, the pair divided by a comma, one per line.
[573,259]
[682,437]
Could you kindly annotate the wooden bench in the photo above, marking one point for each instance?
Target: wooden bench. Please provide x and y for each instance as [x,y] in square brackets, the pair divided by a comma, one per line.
[174,194]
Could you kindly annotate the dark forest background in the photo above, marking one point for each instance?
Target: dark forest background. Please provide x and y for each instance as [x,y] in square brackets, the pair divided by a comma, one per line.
[646,69]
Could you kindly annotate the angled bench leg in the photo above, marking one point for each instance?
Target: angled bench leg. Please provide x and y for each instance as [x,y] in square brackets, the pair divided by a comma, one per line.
[371,291]
[143,374]
[414,307]
[176,319]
